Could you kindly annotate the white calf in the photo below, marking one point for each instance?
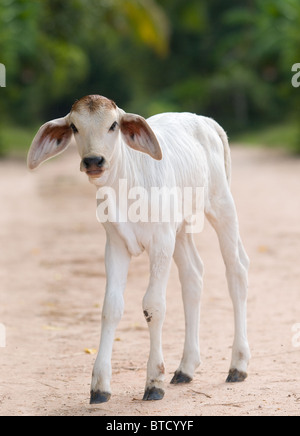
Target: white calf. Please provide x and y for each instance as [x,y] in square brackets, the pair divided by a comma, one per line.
[168,150]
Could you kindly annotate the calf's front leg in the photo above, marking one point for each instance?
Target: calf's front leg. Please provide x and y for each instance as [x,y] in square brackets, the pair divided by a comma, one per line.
[154,306]
[117,261]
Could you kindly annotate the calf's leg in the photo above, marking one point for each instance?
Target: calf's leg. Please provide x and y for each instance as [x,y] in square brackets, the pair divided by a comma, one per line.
[154,306]
[223,217]
[190,269]
[117,261]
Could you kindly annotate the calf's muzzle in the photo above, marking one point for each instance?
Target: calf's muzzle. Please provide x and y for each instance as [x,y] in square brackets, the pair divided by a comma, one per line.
[93,162]
[93,166]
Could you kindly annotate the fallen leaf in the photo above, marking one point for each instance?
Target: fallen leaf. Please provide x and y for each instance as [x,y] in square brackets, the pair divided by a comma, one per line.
[137,326]
[49,304]
[91,351]
[263,249]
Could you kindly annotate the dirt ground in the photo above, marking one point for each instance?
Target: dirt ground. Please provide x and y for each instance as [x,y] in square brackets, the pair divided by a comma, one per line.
[52,282]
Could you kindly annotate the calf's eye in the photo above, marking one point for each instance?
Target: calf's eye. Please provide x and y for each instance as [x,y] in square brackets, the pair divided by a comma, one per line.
[113,127]
[74,128]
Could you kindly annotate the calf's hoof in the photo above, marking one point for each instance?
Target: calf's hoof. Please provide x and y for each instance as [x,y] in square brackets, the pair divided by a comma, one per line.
[236,376]
[99,397]
[153,394]
[180,378]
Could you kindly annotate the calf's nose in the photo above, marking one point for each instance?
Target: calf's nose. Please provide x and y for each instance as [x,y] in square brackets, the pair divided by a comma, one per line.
[89,162]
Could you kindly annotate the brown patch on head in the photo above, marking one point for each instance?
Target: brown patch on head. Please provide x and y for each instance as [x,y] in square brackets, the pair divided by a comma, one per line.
[93,103]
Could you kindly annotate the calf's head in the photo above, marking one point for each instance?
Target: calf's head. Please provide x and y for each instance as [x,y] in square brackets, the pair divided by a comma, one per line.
[98,126]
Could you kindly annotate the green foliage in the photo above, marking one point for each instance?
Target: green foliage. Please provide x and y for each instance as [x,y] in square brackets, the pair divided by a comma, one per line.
[229,60]
[148,23]
[282,135]
[16,139]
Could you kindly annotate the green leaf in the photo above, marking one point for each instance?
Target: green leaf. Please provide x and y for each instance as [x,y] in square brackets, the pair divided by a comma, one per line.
[148,22]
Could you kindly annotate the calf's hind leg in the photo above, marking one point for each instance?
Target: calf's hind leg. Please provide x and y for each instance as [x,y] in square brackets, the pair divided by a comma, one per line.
[190,269]
[223,217]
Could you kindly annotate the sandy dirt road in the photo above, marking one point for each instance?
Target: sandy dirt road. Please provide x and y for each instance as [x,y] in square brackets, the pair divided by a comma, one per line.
[52,282]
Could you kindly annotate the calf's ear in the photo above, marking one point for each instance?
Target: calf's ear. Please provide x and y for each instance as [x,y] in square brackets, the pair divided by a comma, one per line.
[138,135]
[52,139]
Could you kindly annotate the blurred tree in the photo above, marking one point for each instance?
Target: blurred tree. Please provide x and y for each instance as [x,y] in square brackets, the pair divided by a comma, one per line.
[50,48]
[268,48]
[230,60]
[145,20]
